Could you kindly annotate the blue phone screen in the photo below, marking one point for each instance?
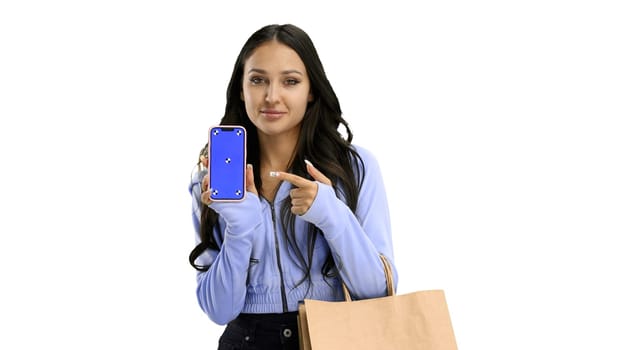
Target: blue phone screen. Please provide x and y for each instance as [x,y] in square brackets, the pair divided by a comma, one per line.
[227,162]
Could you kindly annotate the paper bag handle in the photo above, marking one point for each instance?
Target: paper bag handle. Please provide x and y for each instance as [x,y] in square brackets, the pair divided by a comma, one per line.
[387,273]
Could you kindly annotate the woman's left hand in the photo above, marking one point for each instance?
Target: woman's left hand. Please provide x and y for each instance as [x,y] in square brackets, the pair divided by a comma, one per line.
[304,195]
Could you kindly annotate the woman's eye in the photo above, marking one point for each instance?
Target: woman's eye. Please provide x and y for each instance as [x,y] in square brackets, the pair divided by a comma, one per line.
[291,81]
[256,80]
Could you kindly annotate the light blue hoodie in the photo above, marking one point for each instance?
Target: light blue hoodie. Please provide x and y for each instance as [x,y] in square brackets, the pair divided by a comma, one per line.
[256,270]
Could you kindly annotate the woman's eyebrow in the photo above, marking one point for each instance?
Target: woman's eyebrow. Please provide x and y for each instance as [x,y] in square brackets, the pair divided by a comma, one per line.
[263,71]
[256,70]
[290,71]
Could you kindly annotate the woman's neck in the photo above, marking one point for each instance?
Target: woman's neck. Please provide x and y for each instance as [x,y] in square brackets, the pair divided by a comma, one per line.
[276,152]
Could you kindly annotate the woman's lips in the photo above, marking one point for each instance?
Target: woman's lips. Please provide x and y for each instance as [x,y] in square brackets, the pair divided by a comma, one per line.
[272,114]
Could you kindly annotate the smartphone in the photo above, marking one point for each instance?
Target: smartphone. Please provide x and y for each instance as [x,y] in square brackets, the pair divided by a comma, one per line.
[227,162]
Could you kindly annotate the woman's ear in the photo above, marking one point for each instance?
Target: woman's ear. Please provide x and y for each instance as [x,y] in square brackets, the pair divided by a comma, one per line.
[310,97]
[241,95]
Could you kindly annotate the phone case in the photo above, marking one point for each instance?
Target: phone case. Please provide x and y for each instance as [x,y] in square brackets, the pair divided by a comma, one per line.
[227,162]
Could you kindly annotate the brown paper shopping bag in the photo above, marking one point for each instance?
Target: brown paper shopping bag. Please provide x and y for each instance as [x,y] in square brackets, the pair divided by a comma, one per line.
[413,321]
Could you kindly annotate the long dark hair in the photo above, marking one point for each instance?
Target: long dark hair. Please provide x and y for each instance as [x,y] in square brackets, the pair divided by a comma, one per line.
[320,141]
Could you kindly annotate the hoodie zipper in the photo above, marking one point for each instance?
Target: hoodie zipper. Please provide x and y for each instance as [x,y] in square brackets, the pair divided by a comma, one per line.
[278,258]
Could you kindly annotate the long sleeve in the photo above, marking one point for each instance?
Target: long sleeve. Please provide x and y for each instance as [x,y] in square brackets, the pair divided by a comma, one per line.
[221,290]
[357,239]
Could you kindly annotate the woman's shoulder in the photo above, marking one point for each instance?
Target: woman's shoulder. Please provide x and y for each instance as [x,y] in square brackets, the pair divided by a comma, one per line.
[367,161]
[367,156]
[196,178]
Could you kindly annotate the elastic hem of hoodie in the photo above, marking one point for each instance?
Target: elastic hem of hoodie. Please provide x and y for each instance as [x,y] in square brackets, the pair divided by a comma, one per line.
[270,302]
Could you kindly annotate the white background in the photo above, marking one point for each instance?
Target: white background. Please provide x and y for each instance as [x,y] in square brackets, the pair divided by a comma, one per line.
[497,125]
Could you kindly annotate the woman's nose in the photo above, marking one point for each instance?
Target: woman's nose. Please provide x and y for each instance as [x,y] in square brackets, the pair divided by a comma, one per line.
[272,93]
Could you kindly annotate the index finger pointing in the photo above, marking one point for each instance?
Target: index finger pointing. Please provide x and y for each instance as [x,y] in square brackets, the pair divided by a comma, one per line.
[291,178]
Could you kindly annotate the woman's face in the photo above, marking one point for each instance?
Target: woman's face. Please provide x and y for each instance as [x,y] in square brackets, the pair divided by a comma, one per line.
[275,89]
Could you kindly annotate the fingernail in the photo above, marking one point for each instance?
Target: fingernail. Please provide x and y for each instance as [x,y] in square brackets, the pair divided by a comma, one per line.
[274,173]
[309,163]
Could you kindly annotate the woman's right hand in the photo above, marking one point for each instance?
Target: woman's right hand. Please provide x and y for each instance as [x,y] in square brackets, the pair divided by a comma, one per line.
[205,198]
[205,194]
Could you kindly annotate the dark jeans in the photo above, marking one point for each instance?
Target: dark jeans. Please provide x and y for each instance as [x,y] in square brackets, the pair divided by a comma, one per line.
[261,331]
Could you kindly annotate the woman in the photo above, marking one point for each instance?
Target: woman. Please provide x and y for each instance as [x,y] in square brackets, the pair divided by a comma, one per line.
[315,214]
